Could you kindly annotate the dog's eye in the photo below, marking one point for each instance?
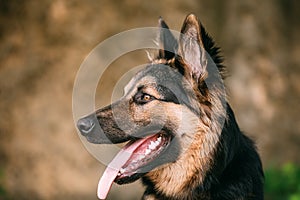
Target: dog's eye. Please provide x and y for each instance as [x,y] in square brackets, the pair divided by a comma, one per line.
[146,97]
[143,98]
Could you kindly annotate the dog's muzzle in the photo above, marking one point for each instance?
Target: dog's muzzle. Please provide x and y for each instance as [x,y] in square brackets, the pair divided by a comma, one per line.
[85,125]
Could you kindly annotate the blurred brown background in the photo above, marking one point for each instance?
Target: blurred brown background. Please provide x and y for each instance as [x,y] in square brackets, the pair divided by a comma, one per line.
[42,44]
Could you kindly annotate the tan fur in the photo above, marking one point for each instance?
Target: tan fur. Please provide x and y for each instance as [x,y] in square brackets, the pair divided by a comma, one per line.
[171,179]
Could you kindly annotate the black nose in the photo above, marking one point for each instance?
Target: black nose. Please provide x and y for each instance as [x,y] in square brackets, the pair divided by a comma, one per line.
[85,125]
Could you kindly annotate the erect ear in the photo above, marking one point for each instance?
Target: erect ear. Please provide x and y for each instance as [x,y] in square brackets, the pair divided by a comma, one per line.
[167,43]
[191,47]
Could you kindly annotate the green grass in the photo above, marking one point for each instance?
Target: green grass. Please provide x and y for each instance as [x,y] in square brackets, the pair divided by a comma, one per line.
[2,190]
[282,183]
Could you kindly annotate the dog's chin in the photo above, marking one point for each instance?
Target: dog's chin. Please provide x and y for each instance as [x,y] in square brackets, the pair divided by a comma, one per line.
[128,179]
[132,177]
[92,140]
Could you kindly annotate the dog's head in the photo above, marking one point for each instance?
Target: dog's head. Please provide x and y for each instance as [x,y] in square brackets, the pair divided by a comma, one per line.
[166,106]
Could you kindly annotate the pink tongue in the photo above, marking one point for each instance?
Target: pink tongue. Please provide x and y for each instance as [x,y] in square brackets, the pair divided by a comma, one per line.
[114,167]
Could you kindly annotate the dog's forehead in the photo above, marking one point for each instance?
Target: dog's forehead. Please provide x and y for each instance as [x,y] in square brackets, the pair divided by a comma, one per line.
[136,82]
[153,74]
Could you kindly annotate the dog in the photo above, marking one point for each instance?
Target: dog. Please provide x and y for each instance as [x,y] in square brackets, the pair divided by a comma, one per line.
[182,137]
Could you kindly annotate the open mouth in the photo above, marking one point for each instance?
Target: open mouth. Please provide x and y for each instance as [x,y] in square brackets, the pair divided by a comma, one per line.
[131,160]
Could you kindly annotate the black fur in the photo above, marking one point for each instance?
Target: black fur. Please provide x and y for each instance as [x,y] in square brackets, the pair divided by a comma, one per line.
[236,173]
[213,50]
[237,170]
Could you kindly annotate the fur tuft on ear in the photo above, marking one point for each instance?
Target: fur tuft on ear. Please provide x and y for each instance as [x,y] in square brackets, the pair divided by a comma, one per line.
[191,47]
[196,45]
[167,42]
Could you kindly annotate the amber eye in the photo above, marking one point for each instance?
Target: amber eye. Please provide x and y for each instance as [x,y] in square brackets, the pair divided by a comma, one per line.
[146,97]
[142,98]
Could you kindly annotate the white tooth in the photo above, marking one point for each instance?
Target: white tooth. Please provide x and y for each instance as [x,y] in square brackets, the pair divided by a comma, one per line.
[147,151]
[159,139]
[157,143]
[122,170]
[152,146]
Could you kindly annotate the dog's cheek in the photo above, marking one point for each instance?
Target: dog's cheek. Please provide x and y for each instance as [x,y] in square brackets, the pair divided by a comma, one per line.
[150,114]
[158,113]
[173,116]
[139,115]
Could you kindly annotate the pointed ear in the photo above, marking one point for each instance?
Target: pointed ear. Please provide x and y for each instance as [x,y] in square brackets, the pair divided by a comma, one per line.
[191,47]
[167,42]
